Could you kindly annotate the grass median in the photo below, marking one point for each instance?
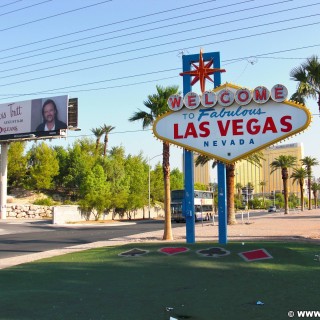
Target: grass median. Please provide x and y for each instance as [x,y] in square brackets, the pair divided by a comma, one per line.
[100,284]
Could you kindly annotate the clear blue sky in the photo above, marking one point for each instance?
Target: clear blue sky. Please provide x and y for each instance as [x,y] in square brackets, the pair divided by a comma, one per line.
[112,54]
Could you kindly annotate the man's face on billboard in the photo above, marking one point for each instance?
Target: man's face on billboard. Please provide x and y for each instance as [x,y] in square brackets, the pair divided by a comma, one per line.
[49,112]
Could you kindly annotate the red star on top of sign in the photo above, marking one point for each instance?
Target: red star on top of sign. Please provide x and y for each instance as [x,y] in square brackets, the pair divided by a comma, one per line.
[202,72]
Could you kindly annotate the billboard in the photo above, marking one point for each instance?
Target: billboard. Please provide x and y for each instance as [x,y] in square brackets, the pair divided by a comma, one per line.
[31,119]
[231,122]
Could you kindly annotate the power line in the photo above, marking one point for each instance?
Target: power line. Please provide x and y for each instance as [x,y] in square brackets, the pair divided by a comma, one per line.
[108,80]
[113,132]
[137,32]
[130,34]
[95,89]
[284,58]
[9,4]
[175,50]
[225,62]
[54,16]
[113,23]
[262,55]
[155,54]
[20,9]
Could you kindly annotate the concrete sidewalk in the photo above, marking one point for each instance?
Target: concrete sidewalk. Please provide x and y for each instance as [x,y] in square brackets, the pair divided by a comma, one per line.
[296,226]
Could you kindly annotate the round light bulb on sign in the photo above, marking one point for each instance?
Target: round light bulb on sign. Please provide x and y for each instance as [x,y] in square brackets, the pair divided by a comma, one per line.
[208,99]
[261,95]
[226,97]
[191,100]
[279,93]
[243,96]
[175,102]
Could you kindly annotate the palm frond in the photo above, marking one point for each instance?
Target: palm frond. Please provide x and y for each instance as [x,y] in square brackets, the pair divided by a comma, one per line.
[255,158]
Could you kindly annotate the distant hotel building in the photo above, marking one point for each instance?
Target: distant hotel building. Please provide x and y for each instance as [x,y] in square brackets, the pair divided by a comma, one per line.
[246,172]
[202,173]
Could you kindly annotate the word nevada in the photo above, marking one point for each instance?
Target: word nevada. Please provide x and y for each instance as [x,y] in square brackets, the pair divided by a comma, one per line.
[227,97]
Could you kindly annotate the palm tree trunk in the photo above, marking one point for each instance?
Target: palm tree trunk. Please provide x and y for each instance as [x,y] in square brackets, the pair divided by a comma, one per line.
[105,145]
[231,218]
[309,193]
[285,191]
[97,143]
[167,235]
[301,197]
[315,198]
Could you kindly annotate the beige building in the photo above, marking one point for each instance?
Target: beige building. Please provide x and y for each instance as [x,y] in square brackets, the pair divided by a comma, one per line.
[246,172]
[202,173]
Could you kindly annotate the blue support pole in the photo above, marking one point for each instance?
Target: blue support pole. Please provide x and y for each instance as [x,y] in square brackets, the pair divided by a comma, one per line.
[222,203]
[222,187]
[189,196]
[188,163]
[188,160]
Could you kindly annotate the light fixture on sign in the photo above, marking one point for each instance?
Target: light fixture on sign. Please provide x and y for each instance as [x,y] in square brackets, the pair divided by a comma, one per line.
[279,93]
[226,97]
[191,100]
[261,95]
[208,99]
[175,102]
[243,96]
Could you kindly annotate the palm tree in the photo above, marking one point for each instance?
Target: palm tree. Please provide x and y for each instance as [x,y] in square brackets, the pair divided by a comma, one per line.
[315,188]
[230,175]
[262,184]
[239,187]
[283,163]
[106,130]
[309,162]
[157,105]
[300,174]
[98,132]
[249,187]
[308,77]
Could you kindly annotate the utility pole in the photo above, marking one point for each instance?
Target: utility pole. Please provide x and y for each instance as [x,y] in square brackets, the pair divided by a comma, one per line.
[3,184]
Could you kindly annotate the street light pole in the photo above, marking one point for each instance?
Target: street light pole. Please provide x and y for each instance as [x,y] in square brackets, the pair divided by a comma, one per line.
[248,211]
[149,159]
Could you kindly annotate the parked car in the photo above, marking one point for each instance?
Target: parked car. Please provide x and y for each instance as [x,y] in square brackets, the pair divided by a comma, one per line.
[272,209]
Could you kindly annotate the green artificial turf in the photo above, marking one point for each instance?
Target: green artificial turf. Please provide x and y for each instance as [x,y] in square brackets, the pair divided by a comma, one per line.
[99,284]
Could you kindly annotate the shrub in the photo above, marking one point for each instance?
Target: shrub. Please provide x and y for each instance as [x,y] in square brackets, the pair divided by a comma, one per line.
[44,202]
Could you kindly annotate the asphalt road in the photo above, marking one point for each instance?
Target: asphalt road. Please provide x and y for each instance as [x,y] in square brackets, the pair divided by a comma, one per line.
[25,237]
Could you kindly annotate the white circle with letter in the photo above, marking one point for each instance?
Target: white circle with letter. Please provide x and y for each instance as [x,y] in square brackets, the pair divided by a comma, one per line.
[191,100]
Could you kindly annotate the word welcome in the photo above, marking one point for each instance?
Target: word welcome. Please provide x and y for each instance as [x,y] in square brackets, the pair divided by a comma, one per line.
[226,97]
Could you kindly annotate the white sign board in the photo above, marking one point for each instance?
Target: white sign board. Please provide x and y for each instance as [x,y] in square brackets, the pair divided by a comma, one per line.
[230,133]
[25,118]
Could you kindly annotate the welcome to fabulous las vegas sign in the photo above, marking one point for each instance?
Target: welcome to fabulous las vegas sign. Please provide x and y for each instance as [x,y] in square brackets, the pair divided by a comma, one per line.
[231,122]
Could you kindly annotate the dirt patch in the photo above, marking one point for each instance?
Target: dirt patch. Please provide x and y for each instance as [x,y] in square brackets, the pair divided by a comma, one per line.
[22,196]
